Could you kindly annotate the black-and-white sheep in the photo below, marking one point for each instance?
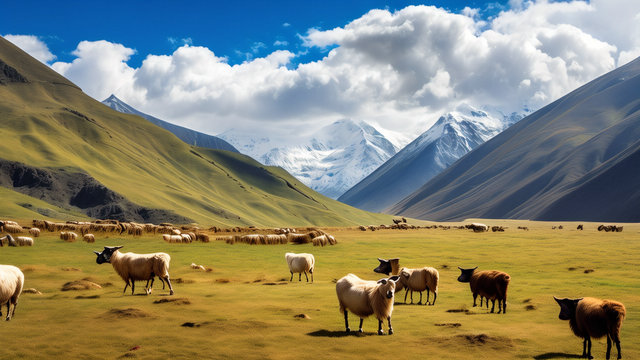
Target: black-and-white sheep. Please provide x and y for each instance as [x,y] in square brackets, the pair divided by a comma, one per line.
[300,263]
[594,318]
[490,284]
[365,298]
[137,267]
[11,283]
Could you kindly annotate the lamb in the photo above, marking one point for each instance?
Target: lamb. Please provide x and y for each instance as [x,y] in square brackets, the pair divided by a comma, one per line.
[426,278]
[135,267]
[491,284]
[24,241]
[365,298]
[300,263]
[11,283]
[593,318]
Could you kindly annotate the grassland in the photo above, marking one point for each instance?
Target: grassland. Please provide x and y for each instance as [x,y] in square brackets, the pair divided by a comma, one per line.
[246,308]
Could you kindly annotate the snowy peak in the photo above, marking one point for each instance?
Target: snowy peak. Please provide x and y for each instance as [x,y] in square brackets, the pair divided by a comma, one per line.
[330,161]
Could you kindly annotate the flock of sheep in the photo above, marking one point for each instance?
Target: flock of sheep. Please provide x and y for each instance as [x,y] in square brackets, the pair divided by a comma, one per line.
[588,317]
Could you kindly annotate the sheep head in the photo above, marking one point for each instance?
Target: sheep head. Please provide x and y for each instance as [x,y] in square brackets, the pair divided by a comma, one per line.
[466,274]
[388,286]
[385,266]
[567,308]
[105,255]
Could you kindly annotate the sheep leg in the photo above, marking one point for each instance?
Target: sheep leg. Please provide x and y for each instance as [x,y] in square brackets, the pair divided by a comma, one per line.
[360,328]
[305,275]
[133,286]
[608,347]
[420,301]
[618,347]
[15,305]
[480,301]
[300,276]
[504,306]
[380,331]
[427,301]
[475,295]
[346,321]
[435,296]
[8,310]
[390,328]
[406,292]
[290,280]
[169,283]
[125,287]
[493,305]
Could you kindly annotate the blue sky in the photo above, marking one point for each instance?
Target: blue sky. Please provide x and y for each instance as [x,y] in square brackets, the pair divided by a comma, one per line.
[237,30]
[291,67]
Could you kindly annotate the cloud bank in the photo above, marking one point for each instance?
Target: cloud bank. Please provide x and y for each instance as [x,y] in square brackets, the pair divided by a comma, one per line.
[397,70]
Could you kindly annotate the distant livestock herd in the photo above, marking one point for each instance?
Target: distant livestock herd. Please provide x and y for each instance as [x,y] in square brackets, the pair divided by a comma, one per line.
[588,317]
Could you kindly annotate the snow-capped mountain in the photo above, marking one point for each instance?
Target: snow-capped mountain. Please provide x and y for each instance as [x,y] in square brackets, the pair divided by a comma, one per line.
[329,161]
[451,137]
[189,136]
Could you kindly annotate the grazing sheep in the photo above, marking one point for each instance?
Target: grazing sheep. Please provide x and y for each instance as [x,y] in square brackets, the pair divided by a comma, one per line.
[11,227]
[11,283]
[365,298]
[68,236]
[320,240]
[580,227]
[90,238]
[426,278]
[490,284]
[135,267]
[202,237]
[523,228]
[24,241]
[197,267]
[477,227]
[298,238]
[35,232]
[300,263]
[593,318]
[9,240]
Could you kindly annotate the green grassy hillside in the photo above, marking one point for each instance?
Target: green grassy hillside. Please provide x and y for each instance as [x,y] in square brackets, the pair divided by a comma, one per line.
[49,123]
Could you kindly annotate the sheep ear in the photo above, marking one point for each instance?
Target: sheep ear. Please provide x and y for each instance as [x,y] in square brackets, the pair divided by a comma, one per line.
[382,281]
[394,278]
[97,253]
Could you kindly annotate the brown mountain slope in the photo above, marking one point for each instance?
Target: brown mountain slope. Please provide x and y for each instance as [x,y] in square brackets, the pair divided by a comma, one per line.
[575,159]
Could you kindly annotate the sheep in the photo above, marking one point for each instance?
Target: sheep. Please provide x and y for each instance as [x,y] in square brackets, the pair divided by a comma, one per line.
[426,278]
[580,227]
[68,236]
[90,238]
[11,227]
[320,240]
[35,232]
[365,298]
[9,240]
[11,283]
[477,227]
[593,318]
[298,238]
[300,263]
[491,284]
[197,267]
[132,267]
[24,241]
[202,237]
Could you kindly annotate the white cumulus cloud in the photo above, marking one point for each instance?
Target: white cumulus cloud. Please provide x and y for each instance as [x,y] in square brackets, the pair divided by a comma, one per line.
[33,46]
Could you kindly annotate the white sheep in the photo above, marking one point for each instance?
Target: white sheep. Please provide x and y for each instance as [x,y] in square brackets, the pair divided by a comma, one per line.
[35,232]
[197,267]
[11,283]
[300,263]
[365,298]
[89,238]
[426,278]
[135,267]
[24,241]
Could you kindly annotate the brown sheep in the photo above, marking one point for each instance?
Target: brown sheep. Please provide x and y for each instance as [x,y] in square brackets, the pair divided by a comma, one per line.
[419,280]
[593,318]
[491,284]
[580,227]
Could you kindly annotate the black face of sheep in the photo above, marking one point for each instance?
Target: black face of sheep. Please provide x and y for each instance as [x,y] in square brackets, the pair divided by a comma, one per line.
[567,308]
[384,267]
[466,274]
[105,255]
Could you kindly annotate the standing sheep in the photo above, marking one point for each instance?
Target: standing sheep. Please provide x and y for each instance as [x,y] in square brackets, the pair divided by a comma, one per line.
[365,298]
[135,267]
[24,241]
[426,278]
[490,284]
[300,263]
[11,283]
[593,318]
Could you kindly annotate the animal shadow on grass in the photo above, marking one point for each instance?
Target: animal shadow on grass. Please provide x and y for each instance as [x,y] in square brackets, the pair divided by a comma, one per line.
[554,355]
[337,334]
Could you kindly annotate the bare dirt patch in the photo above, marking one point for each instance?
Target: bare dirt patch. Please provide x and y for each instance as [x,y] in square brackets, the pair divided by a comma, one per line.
[176,301]
[449,325]
[223,281]
[80,285]
[129,313]
[182,281]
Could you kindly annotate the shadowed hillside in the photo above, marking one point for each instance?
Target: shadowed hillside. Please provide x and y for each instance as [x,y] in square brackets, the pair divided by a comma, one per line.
[63,147]
[575,159]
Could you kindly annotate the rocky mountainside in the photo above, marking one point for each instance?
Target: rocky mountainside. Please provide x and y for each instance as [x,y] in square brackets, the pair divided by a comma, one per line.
[329,161]
[191,137]
[576,159]
[451,137]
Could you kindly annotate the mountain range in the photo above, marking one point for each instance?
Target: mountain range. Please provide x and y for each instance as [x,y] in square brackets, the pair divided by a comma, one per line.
[576,159]
[329,161]
[65,155]
[190,137]
[451,137]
